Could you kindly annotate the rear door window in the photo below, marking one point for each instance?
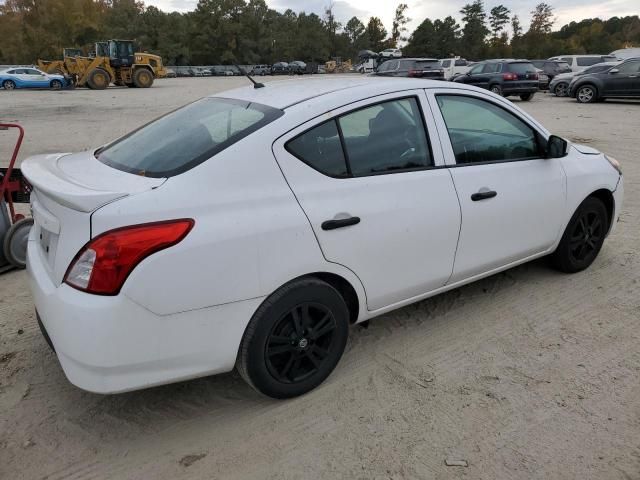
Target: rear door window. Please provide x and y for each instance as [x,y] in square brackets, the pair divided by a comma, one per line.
[521,67]
[461,63]
[385,137]
[446,63]
[491,68]
[186,137]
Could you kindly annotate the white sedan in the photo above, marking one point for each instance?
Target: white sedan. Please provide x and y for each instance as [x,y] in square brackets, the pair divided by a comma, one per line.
[251,228]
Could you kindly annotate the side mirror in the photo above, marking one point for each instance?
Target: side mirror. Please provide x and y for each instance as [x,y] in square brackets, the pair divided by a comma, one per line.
[556,147]
[613,70]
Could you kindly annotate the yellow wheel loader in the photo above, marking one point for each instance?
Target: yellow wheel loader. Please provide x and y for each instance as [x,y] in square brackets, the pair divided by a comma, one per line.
[113,62]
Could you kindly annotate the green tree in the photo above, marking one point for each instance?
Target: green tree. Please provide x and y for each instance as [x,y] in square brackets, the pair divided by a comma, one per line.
[498,18]
[376,34]
[400,21]
[542,19]
[475,29]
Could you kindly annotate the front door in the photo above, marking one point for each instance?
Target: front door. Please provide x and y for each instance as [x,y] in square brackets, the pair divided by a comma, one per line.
[512,199]
[366,177]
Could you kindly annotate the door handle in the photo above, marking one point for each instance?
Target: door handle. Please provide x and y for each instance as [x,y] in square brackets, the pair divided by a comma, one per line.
[343,222]
[483,195]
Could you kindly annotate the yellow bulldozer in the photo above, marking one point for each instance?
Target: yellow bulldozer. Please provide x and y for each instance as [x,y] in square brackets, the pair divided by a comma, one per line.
[111,62]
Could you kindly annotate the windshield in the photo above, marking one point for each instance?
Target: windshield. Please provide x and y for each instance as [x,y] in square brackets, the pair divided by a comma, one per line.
[186,137]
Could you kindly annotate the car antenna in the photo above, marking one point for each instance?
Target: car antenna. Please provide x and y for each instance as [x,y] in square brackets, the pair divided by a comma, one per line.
[255,84]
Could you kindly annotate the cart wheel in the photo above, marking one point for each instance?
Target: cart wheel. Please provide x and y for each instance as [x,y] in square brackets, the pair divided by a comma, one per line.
[15,242]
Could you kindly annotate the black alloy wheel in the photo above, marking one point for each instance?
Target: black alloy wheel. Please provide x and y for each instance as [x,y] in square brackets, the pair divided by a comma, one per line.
[583,237]
[294,339]
[299,342]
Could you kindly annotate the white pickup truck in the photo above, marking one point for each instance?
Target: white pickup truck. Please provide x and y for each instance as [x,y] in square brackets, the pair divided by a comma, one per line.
[454,66]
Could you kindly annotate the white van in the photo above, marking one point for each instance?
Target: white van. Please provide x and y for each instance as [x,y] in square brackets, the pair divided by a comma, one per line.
[580,62]
[454,66]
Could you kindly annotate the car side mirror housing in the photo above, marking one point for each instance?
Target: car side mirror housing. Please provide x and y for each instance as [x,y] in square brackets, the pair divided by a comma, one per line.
[556,147]
[614,70]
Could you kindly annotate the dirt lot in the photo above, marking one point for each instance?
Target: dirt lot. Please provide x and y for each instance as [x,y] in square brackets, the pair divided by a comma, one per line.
[529,374]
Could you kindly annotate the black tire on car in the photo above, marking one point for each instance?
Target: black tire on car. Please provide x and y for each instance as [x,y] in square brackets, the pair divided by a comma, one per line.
[142,78]
[497,89]
[9,85]
[98,79]
[561,89]
[15,242]
[525,97]
[56,84]
[295,339]
[587,94]
[583,237]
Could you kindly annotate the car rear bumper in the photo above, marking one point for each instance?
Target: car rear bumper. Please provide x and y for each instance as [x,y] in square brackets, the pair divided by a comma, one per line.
[518,89]
[111,344]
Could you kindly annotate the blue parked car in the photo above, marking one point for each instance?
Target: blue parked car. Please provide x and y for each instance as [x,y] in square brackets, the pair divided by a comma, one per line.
[29,77]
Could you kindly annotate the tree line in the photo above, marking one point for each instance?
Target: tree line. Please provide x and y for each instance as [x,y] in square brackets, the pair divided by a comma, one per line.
[248,31]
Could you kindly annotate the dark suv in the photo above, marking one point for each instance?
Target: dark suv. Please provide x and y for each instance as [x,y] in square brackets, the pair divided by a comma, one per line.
[552,67]
[623,80]
[412,67]
[504,77]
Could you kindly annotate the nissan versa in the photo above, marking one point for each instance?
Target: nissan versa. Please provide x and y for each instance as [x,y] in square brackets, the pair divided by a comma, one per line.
[251,228]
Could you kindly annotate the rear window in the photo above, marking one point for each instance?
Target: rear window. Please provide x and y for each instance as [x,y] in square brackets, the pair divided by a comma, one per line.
[426,64]
[587,61]
[538,64]
[186,137]
[522,67]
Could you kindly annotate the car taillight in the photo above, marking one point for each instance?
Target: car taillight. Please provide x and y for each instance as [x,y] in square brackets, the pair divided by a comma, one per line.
[535,76]
[413,73]
[102,265]
[509,76]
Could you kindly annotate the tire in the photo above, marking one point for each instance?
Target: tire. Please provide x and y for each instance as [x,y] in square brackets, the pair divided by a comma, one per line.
[56,84]
[561,89]
[14,245]
[587,94]
[583,237]
[497,89]
[9,85]
[142,78]
[280,354]
[98,79]
[525,97]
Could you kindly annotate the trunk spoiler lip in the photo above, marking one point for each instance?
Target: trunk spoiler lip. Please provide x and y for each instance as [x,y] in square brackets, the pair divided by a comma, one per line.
[47,177]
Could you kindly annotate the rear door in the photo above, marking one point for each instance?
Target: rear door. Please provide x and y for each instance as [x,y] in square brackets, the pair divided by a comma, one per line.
[511,198]
[623,82]
[367,178]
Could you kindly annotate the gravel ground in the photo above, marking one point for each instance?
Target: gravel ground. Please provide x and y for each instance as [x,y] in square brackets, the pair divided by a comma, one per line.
[529,374]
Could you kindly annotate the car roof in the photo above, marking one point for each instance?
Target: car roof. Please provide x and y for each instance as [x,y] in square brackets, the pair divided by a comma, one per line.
[286,93]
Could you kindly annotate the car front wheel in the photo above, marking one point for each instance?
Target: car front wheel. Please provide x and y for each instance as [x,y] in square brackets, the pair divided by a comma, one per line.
[587,94]
[295,339]
[562,90]
[56,84]
[583,237]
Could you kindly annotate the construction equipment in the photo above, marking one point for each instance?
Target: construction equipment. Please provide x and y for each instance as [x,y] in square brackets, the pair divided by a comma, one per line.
[14,227]
[337,65]
[112,62]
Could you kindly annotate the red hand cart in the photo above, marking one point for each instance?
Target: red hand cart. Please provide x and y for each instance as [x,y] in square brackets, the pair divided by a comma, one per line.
[14,227]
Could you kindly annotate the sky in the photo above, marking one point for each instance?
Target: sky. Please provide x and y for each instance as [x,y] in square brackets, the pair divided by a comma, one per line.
[565,10]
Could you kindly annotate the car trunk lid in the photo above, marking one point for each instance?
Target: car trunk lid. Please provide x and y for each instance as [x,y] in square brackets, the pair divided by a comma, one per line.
[67,189]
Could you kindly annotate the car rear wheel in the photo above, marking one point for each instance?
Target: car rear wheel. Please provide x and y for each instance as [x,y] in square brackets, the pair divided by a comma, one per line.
[561,89]
[526,97]
[56,84]
[9,84]
[295,339]
[583,237]
[587,94]
[497,89]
